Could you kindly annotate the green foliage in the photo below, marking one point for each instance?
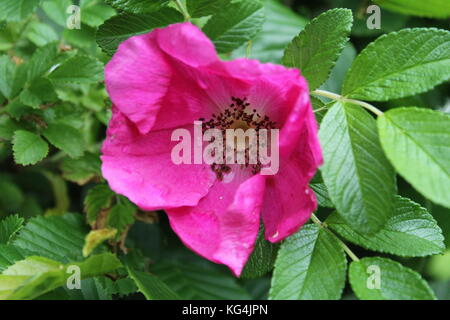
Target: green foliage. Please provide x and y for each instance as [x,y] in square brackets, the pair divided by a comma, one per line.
[396,282]
[310,265]
[28,147]
[54,110]
[359,178]
[200,8]
[315,50]
[152,287]
[401,64]
[410,232]
[137,6]
[430,8]
[9,227]
[123,26]
[34,276]
[235,24]
[417,141]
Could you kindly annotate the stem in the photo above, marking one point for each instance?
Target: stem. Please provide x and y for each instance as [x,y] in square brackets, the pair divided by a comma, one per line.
[338,97]
[182,9]
[248,50]
[340,242]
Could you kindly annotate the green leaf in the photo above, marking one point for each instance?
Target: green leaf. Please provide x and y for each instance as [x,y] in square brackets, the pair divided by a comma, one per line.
[12,77]
[78,69]
[323,198]
[121,215]
[66,138]
[429,8]
[42,61]
[95,238]
[417,142]
[396,281]
[16,10]
[41,33]
[315,50]
[40,91]
[320,108]
[121,27]
[410,232]
[235,24]
[28,279]
[81,170]
[59,238]
[138,6]
[151,286]
[310,265]
[57,10]
[359,178]
[400,64]
[193,278]
[7,127]
[201,8]
[280,26]
[28,147]
[94,15]
[10,254]
[9,226]
[98,198]
[262,259]
[337,75]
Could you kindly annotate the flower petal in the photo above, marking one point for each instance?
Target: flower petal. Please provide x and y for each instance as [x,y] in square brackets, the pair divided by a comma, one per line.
[289,201]
[137,79]
[187,43]
[224,225]
[141,168]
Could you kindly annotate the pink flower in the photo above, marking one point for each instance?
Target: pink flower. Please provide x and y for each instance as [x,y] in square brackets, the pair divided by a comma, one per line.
[167,79]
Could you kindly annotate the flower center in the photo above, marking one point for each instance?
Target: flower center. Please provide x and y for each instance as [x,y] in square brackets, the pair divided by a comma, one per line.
[238,115]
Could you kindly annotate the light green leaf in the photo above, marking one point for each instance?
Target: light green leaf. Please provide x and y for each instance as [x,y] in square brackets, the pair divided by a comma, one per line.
[41,33]
[201,8]
[400,64]
[95,238]
[9,226]
[235,24]
[66,138]
[315,50]
[337,75]
[151,286]
[280,26]
[429,8]
[396,281]
[28,147]
[310,265]
[78,69]
[57,10]
[7,127]
[262,259]
[12,77]
[138,6]
[34,276]
[94,15]
[359,178]
[16,10]
[417,142]
[121,27]
[410,232]
[98,198]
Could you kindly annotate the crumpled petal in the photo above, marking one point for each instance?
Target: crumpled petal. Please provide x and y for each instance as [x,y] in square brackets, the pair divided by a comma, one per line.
[224,226]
